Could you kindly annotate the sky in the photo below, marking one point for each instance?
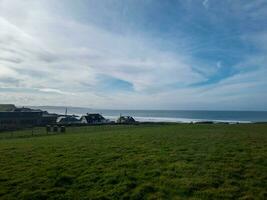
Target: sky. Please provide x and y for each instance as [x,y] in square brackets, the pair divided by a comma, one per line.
[134,54]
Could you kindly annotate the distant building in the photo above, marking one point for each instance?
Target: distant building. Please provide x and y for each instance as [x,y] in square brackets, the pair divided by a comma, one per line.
[126,120]
[68,119]
[94,118]
[17,119]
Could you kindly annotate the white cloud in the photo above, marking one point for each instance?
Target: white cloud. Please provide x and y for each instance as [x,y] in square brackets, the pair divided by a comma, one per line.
[219,64]
[51,90]
[47,58]
[205,3]
[71,53]
[6,72]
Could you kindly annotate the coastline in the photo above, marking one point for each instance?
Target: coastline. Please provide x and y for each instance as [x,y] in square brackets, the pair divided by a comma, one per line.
[174,116]
[179,120]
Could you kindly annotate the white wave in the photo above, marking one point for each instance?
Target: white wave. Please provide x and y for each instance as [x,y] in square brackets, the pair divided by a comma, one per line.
[177,120]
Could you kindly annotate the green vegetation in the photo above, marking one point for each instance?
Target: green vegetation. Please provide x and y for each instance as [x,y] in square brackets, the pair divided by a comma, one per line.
[7,107]
[136,162]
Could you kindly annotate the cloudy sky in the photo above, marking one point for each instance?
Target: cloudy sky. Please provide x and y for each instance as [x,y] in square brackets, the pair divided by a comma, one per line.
[134,54]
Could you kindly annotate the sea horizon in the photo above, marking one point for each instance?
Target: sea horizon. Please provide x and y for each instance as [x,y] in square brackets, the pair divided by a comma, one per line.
[184,116]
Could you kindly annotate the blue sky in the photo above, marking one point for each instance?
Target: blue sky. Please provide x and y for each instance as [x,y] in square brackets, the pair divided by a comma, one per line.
[150,54]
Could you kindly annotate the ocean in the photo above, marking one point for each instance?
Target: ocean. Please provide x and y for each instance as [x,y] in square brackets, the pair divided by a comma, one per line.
[167,115]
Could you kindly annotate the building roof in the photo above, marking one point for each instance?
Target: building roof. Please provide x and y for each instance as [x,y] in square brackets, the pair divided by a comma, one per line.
[67,119]
[126,119]
[20,114]
[93,117]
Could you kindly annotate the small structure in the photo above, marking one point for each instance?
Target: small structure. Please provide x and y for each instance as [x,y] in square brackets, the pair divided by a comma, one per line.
[48,128]
[94,118]
[62,129]
[55,128]
[126,120]
[68,119]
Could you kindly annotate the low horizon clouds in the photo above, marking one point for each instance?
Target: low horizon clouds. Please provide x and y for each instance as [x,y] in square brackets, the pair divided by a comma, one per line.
[122,58]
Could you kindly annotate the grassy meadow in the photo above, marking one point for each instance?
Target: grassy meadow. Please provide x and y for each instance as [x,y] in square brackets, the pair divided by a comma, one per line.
[175,161]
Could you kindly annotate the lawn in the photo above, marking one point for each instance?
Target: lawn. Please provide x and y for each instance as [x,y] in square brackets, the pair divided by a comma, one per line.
[176,161]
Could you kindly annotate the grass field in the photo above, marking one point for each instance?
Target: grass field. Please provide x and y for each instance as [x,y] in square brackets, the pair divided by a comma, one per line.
[136,162]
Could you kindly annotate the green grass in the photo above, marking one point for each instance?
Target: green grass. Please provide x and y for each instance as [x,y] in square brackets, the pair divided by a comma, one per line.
[7,107]
[136,162]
